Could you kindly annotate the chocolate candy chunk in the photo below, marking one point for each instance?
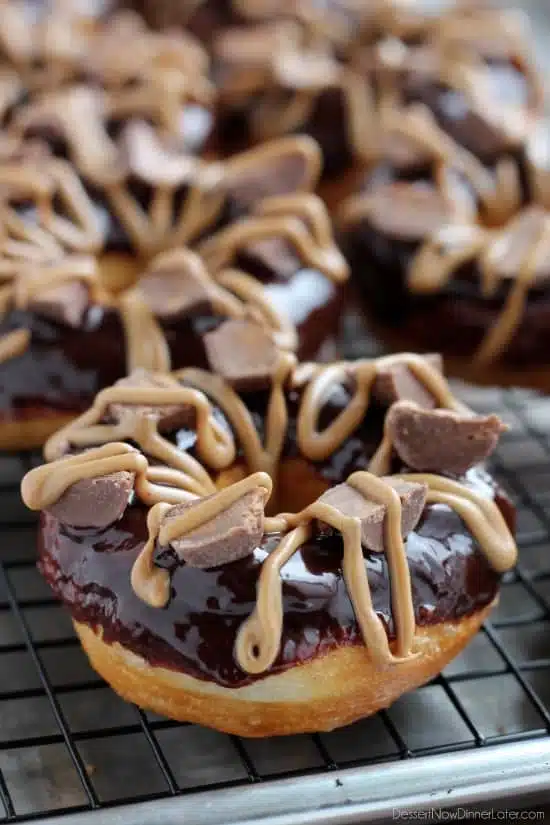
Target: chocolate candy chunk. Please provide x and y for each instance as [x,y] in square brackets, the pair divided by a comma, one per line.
[441,440]
[243,353]
[230,535]
[177,285]
[408,212]
[169,417]
[269,171]
[65,303]
[94,502]
[305,69]
[349,501]
[275,255]
[396,382]
[511,248]
[152,161]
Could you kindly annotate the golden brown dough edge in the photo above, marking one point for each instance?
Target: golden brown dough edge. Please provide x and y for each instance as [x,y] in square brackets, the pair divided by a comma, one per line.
[326,693]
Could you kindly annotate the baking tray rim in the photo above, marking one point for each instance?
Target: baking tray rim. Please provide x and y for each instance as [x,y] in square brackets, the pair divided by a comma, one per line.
[354,795]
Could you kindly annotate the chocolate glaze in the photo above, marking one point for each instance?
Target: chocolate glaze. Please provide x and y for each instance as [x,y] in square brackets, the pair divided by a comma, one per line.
[64,368]
[328,120]
[451,109]
[327,124]
[89,570]
[195,633]
[195,129]
[456,318]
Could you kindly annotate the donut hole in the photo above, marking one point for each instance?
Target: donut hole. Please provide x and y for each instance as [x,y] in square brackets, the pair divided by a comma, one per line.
[119,270]
[297,485]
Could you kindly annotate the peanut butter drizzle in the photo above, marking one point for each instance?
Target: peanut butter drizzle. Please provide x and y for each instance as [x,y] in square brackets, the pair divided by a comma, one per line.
[151,583]
[49,50]
[28,279]
[146,345]
[301,220]
[441,254]
[258,641]
[14,344]
[231,293]
[43,181]
[298,59]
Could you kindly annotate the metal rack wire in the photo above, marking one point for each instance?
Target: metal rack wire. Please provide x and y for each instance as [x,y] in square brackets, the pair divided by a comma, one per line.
[68,744]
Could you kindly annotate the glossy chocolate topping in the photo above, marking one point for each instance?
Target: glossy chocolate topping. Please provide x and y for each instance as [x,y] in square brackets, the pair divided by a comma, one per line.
[90,570]
[455,319]
[195,633]
[64,368]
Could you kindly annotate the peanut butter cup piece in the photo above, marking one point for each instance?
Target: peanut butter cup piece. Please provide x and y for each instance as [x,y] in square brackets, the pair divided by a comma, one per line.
[151,160]
[407,212]
[349,501]
[510,250]
[94,502]
[65,303]
[243,353]
[275,255]
[168,416]
[264,172]
[178,285]
[396,382]
[441,441]
[230,535]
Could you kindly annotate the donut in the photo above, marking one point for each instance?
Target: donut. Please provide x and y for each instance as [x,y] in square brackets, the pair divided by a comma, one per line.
[334,73]
[127,122]
[64,336]
[276,547]
[450,255]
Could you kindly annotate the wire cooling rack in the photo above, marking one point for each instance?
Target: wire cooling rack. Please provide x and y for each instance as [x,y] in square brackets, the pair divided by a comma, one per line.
[70,749]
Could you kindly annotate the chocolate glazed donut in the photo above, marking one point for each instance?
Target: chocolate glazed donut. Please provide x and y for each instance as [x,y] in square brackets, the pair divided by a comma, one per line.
[452,255]
[63,336]
[122,126]
[335,73]
[192,600]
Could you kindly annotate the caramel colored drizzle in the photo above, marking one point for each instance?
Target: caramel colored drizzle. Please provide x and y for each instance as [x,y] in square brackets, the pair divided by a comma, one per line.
[299,219]
[14,344]
[183,477]
[146,345]
[215,445]
[436,262]
[29,279]
[151,583]
[231,292]
[298,58]
[443,252]
[258,641]
[56,48]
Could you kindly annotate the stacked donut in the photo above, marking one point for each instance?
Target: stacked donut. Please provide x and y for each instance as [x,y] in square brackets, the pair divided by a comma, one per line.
[248,533]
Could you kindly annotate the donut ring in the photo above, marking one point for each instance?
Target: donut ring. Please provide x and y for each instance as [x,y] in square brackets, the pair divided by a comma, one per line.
[451,255]
[63,336]
[193,602]
[335,74]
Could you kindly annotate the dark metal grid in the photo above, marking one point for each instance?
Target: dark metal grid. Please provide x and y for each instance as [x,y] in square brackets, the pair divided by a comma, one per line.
[68,743]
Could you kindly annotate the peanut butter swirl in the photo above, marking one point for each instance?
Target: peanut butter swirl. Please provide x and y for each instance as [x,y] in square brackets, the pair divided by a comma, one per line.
[135,410]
